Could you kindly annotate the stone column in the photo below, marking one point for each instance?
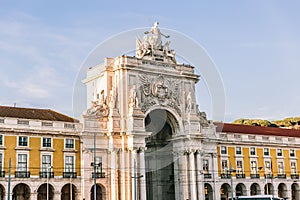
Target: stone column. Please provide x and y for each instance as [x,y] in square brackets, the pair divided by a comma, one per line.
[113,174]
[128,174]
[142,172]
[181,169]
[200,184]
[192,175]
[122,174]
[133,165]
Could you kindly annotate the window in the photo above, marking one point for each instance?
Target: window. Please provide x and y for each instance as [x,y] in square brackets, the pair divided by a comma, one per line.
[49,124]
[223,150]
[1,140]
[266,151]
[280,168]
[293,168]
[252,151]
[1,165]
[224,166]
[22,163]
[268,167]
[238,150]
[98,164]
[46,162]
[239,167]
[205,166]
[23,122]
[69,126]
[47,142]
[253,167]
[279,152]
[23,141]
[69,143]
[292,153]
[69,164]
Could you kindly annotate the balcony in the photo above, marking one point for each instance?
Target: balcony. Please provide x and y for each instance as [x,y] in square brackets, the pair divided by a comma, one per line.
[2,173]
[225,176]
[240,176]
[281,176]
[44,175]
[98,175]
[207,176]
[254,176]
[22,174]
[270,176]
[69,174]
[294,176]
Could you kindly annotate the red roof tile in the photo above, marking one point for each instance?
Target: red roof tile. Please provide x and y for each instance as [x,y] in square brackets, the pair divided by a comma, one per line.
[258,130]
[34,113]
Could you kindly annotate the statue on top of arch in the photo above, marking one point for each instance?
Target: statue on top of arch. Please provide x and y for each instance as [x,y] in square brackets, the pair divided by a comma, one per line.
[152,44]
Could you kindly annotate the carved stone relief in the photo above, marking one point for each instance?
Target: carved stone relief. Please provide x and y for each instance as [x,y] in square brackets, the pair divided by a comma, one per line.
[156,90]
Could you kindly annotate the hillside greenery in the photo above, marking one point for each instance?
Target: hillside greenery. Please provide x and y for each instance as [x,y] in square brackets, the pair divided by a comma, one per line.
[290,122]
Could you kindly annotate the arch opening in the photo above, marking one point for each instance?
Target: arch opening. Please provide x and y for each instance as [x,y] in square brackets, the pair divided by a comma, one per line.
[42,192]
[159,157]
[21,191]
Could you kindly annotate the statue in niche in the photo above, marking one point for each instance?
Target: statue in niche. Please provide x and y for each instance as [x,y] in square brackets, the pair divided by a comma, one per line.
[133,98]
[112,98]
[189,102]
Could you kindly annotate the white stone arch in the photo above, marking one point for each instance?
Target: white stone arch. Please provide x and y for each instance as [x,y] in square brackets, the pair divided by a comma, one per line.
[240,189]
[177,125]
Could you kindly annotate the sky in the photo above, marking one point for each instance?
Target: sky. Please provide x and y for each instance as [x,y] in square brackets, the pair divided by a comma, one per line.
[254,44]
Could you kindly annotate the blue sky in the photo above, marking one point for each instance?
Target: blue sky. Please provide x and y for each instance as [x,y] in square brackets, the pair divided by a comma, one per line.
[255,45]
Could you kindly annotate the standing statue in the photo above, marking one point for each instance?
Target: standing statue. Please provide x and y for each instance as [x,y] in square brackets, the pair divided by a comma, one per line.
[133,98]
[155,39]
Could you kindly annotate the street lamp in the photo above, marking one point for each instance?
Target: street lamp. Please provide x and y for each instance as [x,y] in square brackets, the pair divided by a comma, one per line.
[135,177]
[48,168]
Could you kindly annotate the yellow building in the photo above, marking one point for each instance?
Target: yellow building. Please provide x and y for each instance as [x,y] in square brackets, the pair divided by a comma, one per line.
[38,146]
[260,160]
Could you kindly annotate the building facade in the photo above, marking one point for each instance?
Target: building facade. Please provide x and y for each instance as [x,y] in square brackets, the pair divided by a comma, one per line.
[37,147]
[263,160]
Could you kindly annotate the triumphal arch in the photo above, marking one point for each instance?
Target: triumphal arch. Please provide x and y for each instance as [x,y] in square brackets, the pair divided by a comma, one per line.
[150,136]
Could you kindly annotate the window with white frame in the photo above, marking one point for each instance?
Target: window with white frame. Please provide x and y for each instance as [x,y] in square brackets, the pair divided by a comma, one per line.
[252,151]
[293,167]
[224,166]
[1,164]
[98,164]
[23,141]
[69,143]
[47,142]
[205,166]
[69,163]
[224,150]
[238,150]
[266,151]
[280,168]
[279,152]
[292,153]
[46,163]
[268,167]
[239,166]
[1,140]
[253,167]
[22,163]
